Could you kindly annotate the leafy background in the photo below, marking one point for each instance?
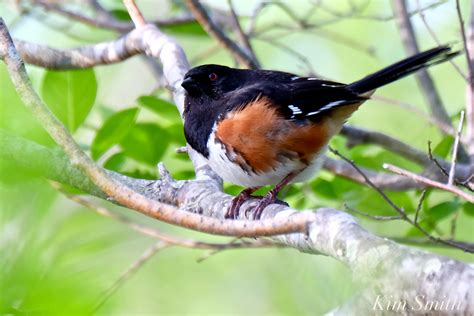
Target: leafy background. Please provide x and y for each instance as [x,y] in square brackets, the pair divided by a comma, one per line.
[58,257]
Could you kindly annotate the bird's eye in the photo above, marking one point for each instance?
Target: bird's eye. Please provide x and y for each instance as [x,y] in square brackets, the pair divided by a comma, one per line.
[213,76]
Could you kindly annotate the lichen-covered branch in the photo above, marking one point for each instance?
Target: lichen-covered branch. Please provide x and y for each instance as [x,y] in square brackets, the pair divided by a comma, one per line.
[164,48]
[377,264]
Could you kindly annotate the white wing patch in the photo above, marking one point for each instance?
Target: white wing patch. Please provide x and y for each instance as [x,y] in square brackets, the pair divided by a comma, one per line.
[295,78]
[329,85]
[327,107]
[294,110]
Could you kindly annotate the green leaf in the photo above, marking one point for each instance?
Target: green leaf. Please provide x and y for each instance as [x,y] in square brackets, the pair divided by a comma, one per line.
[121,15]
[146,142]
[14,116]
[159,106]
[324,188]
[468,209]
[444,147]
[176,134]
[115,162]
[442,210]
[433,216]
[192,28]
[113,131]
[70,95]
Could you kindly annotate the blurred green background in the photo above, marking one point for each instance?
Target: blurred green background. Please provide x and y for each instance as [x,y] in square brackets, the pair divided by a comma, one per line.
[57,257]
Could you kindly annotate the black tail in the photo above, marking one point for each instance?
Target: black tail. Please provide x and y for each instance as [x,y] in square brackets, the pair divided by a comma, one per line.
[403,68]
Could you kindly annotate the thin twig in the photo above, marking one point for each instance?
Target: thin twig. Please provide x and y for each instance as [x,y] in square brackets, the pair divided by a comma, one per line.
[135,13]
[381,180]
[357,135]
[374,217]
[429,242]
[254,16]
[401,211]
[424,79]
[208,24]
[445,128]
[420,204]
[371,184]
[469,50]
[244,38]
[452,170]
[465,183]
[147,255]
[435,184]
[436,39]
[293,52]
[207,52]
[105,20]
[454,221]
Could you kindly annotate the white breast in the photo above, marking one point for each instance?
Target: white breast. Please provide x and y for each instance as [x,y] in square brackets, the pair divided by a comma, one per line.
[222,163]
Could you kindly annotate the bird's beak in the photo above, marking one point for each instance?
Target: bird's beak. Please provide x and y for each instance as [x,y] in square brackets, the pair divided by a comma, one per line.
[190,85]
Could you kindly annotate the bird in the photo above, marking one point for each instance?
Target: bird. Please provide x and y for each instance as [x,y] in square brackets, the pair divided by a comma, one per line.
[264,127]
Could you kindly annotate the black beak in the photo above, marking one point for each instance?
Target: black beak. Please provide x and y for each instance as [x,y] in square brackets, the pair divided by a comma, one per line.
[190,85]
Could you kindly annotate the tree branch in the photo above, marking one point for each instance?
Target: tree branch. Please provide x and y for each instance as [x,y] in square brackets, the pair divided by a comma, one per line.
[105,20]
[398,269]
[411,47]
[208,24]
[164,48]
[435,184]
[83,57]
[468,42]
[244,38]
[358,136]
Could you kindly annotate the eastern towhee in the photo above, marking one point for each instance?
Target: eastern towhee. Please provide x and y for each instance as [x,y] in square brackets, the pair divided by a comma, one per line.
[262,127]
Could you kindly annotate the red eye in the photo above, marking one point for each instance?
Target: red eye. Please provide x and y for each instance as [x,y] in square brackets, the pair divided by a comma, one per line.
[213,76]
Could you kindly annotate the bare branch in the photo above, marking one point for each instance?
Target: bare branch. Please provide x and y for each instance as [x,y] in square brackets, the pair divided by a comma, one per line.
[371,216]
[208,24]
[147,255]
[436,39]
[327,231]
[452,170]
[381,180]
[115,190]
[420,204]
[411,47]
[105,20]
[82,57]
[358,135]
[447,129]
[435,184]
[166,238]
[400,211]
[469,49]
[240,32]
[135,14]
[466,182]
[424,242]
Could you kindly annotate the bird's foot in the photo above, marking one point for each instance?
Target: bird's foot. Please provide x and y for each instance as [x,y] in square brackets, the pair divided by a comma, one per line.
[266,200]
[271,197]
[234,208]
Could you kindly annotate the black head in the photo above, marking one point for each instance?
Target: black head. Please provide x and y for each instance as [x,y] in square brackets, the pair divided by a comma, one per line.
[205,87]
[211,81]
